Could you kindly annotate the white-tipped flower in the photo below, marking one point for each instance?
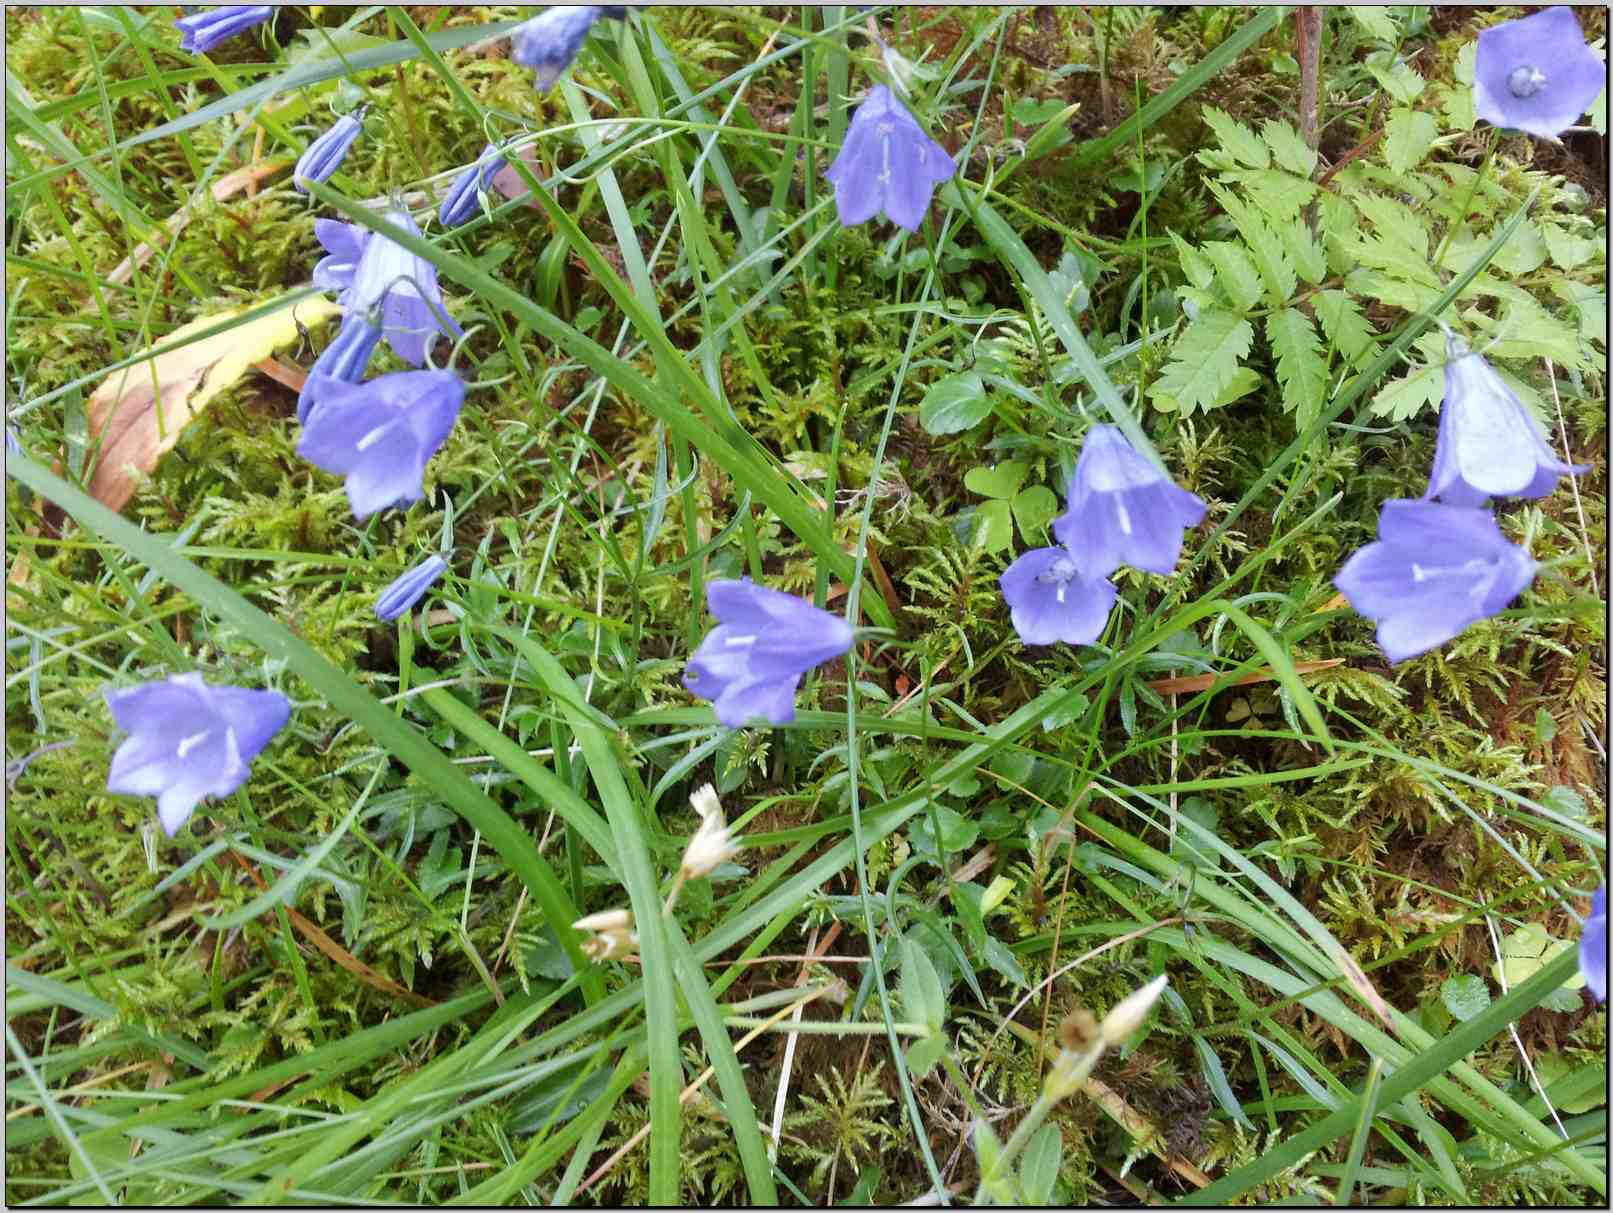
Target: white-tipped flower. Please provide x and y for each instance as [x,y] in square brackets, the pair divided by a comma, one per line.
[611,934]
[1129,1014]
[712,844]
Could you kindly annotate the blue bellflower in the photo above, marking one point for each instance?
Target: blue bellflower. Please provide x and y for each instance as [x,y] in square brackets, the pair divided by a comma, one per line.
[188,740]
[1051,599]
[375,275]
[1433,570]
[345,360]
[203,31]
[326,153]
[409,589]
[381,434]
[1536,74]
[751,663]
[887,163]
[1593,947]
[1123,509]
[550,41]
[1488,444]
[464,196]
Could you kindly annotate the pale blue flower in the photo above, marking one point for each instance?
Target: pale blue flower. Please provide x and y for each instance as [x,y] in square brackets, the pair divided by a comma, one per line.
[1123,509]
[1593,947]
[464,196]
[188,740]
[203,31]
[1488,446]
[887,163]
[326,153]
[380,277]
[409,588]
[751,663]
[1051,599]
[1434,570]
[345,360]
[381,434]
[1536,74]
[550,41]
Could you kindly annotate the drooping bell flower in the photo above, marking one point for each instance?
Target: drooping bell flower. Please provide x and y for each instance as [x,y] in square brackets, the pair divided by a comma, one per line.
[203,31]
[1051,599]
[550,41]
[887,164]
[1433,570]
[1488,444]
[1593,947]
[1123,509]
[379,277]
[751,663]
[464,196]
[188,740]
[409,588]
[326,153]
[1536,74]
[344,360]
[382,433]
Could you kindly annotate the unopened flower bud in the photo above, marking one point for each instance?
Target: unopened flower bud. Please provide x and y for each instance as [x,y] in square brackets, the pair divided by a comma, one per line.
[1129,1014]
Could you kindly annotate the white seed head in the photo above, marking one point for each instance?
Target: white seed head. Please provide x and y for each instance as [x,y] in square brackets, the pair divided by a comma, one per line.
[711,845]
[1130,1012]
[605,922]
[704,801]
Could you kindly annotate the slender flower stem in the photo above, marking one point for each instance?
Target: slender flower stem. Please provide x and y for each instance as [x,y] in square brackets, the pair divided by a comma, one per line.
[1472,189]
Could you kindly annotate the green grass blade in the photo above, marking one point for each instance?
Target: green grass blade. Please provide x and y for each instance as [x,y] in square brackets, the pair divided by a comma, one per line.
[1189,82]
[344,695]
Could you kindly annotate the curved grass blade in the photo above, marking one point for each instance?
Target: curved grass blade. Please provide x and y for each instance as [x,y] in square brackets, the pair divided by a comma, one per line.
[719,436]
[513,843]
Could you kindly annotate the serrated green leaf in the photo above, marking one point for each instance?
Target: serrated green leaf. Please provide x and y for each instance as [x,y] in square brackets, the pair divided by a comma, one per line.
[1377,22]
[1195,265]
[1244,380]
[1287,148]
[1407,137]
[1403,398]
[1204,360]
[1524,253]
[1002,481]
[1388,289]
[1399,80]
[1465,996]
[1345,326]
[1395,222]
[1273,192]
[1236,273]
[954,404]
[1300,368]
[1457,100]
[1527,330]
[1276,270]
[994,526]
[1590,303]
[1033,510]
[1310,261]
[1568,250]
[1239,144]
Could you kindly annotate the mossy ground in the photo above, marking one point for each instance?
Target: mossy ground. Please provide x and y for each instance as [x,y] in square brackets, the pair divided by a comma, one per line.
[544,491]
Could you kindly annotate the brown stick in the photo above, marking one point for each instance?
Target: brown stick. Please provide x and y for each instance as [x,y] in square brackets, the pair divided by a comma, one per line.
[1308,44]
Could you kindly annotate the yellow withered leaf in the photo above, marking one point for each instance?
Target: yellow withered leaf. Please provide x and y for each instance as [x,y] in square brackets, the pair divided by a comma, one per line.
[139,412]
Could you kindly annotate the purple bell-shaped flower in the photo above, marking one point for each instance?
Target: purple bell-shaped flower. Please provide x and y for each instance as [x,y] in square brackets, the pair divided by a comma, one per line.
[887,164]
[1433,570]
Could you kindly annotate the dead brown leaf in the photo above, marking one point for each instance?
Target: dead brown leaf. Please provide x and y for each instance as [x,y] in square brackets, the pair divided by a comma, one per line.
[1203,682]
[139,412]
